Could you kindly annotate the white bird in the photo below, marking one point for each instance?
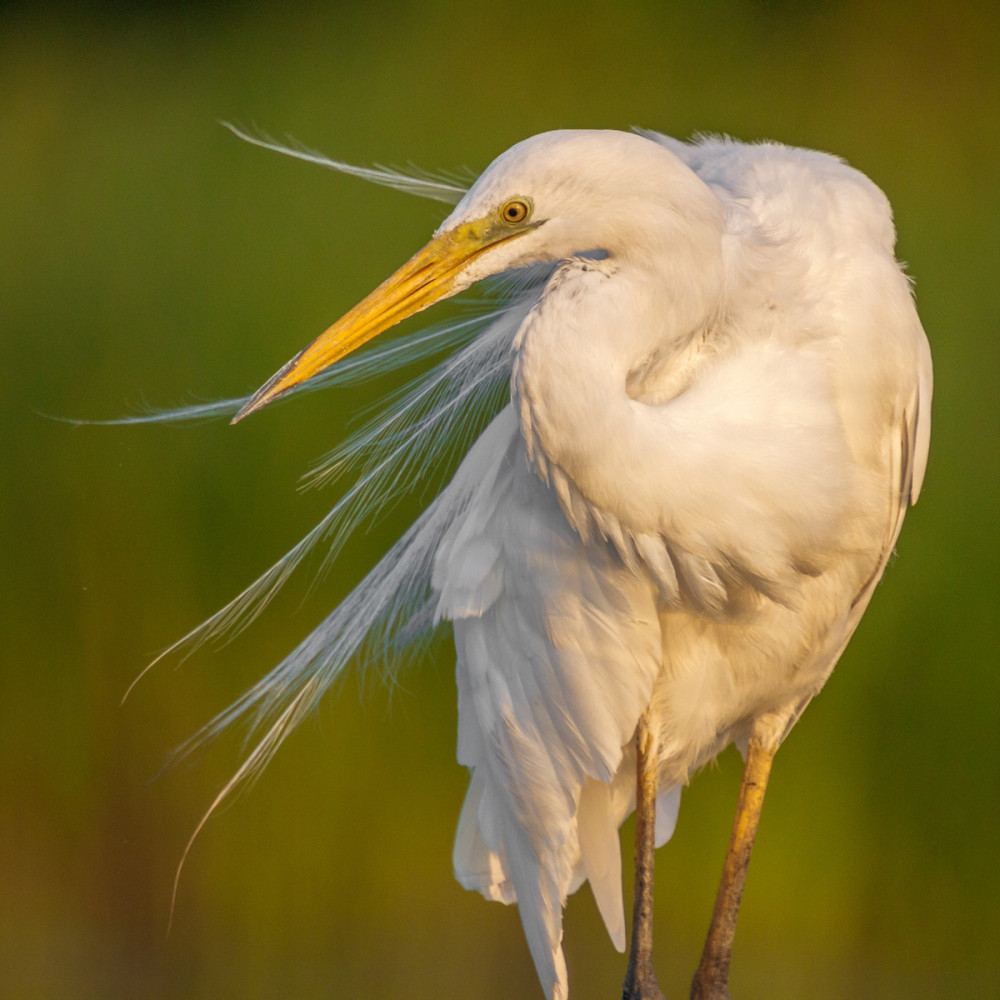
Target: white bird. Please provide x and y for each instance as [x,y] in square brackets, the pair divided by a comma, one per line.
[719,412]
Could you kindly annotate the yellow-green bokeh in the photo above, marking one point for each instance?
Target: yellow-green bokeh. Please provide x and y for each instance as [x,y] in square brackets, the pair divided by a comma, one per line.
[149,255]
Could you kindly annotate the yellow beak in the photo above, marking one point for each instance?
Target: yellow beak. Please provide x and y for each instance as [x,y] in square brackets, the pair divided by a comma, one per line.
[424,279]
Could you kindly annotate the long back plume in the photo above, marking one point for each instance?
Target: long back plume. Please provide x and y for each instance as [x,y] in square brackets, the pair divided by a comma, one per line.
[414,431]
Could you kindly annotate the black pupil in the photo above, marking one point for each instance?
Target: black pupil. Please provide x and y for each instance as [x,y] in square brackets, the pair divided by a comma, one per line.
[514,212]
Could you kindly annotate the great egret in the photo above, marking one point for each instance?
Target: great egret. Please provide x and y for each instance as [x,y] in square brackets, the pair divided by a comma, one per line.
[719,411]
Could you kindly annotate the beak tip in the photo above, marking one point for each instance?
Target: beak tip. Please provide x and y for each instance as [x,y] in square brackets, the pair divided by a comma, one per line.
[259,399]
[244,411]
[277,385]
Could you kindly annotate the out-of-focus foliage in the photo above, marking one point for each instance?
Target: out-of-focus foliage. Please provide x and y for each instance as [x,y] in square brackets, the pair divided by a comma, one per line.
[149,255]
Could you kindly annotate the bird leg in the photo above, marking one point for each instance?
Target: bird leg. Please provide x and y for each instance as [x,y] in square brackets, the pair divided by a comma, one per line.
[640,979]
[713,971]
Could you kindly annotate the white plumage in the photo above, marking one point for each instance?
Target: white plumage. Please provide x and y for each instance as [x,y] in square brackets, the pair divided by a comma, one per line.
[719,412]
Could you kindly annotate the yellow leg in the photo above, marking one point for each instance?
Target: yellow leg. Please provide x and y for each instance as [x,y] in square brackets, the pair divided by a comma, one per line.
[640,979]
[710,981]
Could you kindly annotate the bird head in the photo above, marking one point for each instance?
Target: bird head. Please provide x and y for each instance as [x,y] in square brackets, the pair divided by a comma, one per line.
[545,199]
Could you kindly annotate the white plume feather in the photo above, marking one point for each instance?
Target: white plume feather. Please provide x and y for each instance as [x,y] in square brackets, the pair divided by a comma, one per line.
[424,185]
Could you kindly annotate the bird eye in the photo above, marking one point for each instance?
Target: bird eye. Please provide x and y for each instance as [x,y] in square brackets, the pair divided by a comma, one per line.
[515,212]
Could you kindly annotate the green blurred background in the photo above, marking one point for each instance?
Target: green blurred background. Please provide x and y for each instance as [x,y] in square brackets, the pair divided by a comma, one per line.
[147,254]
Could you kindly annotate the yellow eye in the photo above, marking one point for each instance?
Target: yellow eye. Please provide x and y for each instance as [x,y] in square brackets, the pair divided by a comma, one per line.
[515,212]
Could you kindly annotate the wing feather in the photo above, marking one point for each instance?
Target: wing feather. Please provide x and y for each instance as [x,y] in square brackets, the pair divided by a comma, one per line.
[558,647]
